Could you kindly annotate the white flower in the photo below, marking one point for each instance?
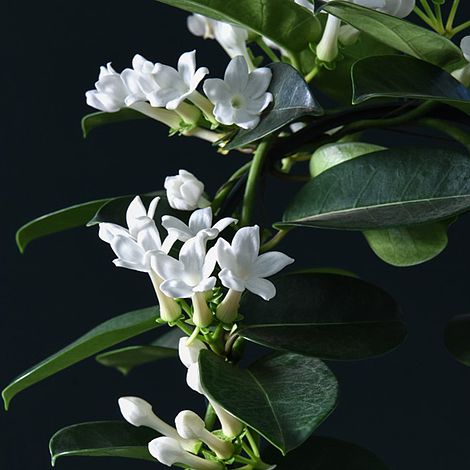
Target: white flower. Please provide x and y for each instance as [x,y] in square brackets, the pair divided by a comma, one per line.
[140,80]
[243,267]
[200,221]
[134,245]
[241,96]
[174,86]
[189,351]
[185,192]
[110,93]
[190,426]
[168,451]
[201,26]
[138,412]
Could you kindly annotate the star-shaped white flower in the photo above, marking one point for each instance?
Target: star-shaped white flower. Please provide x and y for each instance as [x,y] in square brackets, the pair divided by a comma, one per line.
[241,96]
[200,221]
[110,91]
[243,267]
[174,86]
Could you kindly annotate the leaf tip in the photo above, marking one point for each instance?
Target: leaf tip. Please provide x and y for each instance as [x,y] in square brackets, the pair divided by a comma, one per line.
[6,400]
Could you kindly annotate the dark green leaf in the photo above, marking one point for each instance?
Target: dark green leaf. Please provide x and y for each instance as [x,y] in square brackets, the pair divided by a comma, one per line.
[64,219]
[102,439]
[283,396]
[457,338]
[397,33]
[383,77]
[396,187]
[292,100]
[325,453]
[408,246]
[107,334]
[324,315]
[288,25]
[94,120]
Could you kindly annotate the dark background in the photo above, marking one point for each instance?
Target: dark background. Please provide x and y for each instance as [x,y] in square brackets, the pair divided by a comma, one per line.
[410,407]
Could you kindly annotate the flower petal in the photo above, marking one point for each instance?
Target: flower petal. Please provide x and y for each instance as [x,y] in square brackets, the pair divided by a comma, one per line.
[465,46]
[127,249]
[209,262]
[236,74]
[245,246]
[167,267]
[200,219]
[246,120]
[205,285]
[108,231]
[216,90]
[224,113]
[225,255]
[193,378]
[222,224]
[262,287]
[187,66]
[128,265]
[149,238]
[176,288]
[135,210]
[231,281]
[270,263]
[258,82]
[177,228]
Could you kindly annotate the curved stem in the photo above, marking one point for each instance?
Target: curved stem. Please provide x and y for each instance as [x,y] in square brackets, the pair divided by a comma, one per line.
[253,444]
[184,327]
[452,13]
[461,27]
[423,16]
[312,74]
[267,50]
[428,10]
[254,176]
[269,245]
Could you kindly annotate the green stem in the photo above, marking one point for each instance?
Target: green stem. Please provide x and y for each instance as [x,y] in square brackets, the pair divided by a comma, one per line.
[240,459]
[461,27]
[267,50]
[225,189]
[194,335]
[295,61]
[312,74]
[249,452]
[210,417]
[184,327]
[423,16]
[254,176]
[440,23]
[459,135]
[269,245]
[253,444]
[452,13]
[428,10]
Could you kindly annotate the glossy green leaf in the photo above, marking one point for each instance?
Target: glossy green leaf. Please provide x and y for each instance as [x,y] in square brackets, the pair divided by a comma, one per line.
[283,396]
[390,188]
[125,359]
[102,439]
[457,338]
[383,77]
[107,334]
[397,33]
[324,315]
[292,100]
[325,453]
[94,120]
[288,25]
[64,219]
[408,246]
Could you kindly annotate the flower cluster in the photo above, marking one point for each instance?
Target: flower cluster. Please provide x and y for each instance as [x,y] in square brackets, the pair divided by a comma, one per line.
[170,95]
[139,247]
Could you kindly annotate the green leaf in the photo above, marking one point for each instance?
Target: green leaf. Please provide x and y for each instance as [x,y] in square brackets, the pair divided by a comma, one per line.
[325,453]
[125,359]
[102,439]
[397,33]
[457,338]
[94,120]
[390,188]
[283,396]
[324,315]
[383,77]
[292,100]
[107,334]
[64,219]
[287,24]
[408,246]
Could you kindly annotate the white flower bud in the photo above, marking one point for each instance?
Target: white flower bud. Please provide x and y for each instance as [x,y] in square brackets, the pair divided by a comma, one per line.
[227,310]
[327,48]
[170,310]
[168,451]
[185,192]
[189,353]
[348,35]
[190,426]
[138,412]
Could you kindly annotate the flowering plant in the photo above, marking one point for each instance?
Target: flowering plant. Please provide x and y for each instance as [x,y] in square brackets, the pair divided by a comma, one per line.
[213,262]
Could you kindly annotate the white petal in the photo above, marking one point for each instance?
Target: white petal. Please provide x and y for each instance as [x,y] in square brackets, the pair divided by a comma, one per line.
[246,120]
[209,262]
[127,249]
[222,224]
[200,220]
[465,46]
[258,105]
[225,255]
[149,238]
[177,228]
[192,255]
[135,210]
[108,231]
[198,77]
[167,267]
[128,265]
[270,263]
[236,74]
[191,191]
[224,113]
[216,90]
[231,281]
[153,207]
[176,288]
[245,246]
[196,25]
[205,285]
[187,66]
[193,378]
[258,82]
[262,287]
[189,355]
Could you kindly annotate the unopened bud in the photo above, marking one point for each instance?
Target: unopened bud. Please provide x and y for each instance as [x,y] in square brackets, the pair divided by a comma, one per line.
[168,451]
[189,353]
[327,48]
[190,426]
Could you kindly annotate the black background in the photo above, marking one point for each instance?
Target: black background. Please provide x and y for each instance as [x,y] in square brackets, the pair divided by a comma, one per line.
[410,407]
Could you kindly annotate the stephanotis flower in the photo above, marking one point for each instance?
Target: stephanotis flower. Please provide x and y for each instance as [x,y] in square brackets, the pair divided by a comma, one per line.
[190,276]
[463,74]
[137,245]
[243,268]
[185,192]
[139,80]
[241,96]
[200,221]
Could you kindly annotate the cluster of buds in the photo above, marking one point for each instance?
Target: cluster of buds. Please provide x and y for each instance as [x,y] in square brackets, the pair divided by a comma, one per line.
[191,275]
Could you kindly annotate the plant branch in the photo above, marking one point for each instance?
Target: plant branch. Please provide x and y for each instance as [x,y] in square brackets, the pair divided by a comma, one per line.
[267,50]
[451,17]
